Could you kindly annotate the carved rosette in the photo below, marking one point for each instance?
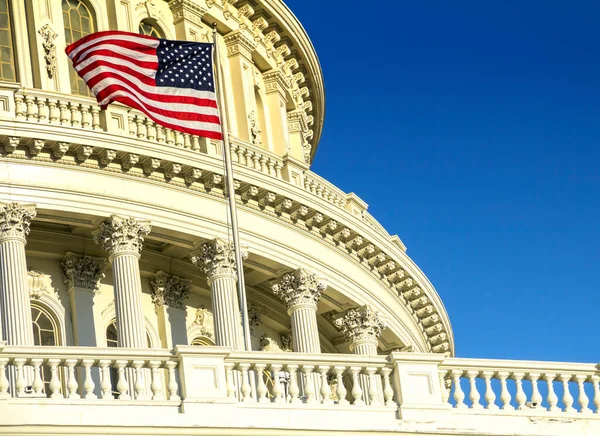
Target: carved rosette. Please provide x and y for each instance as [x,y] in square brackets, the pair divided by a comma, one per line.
[300,287]
[216,258]
[15,220]
[359,324]
[168,290]
[83,271]
[119,235]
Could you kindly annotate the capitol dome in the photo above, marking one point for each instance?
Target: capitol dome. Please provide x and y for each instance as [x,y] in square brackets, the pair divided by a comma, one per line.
[117,279]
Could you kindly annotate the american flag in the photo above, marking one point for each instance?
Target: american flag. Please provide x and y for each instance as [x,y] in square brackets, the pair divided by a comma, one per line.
[172,82]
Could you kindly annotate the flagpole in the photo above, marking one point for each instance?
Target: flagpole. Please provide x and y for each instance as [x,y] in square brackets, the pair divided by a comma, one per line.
[231,196]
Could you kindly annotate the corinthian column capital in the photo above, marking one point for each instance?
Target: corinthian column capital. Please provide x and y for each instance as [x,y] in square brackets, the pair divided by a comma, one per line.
[15,219]
[299,287]
[170,290]
[359,324]
[216,257]
[119,235]
[83,271]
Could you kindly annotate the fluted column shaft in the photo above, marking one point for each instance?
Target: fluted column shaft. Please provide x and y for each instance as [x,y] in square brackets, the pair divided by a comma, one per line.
[364,347]
[225,307]
[16,308]
[305,332]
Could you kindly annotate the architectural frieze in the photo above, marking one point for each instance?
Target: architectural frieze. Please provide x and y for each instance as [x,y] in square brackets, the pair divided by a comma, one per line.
[363,323]
[15,220]
[299,287]
[119,235]
[348,238]
[169,290]
[83,271]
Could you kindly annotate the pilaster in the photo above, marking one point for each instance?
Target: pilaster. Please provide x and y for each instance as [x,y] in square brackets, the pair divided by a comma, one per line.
[301,290]
[217,259]
[122,238]
[276,102]
[240,46]
[15,221]
[169,296]
[82,279]
[298,128]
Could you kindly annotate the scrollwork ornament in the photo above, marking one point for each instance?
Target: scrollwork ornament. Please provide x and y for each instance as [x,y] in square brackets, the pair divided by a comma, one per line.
[119,235]
[48,36]
[15,220]
[216,257]
[83,271]
[168,290]
[363,323]
[299,287]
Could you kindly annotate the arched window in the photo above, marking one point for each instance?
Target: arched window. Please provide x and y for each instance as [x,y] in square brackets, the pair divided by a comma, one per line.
[79,22]
[111,336]
[45,331]
[151,29]
[202,341]
[7,55]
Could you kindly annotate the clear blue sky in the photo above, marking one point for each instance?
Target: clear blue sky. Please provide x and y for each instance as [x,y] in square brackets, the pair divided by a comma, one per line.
[472,130]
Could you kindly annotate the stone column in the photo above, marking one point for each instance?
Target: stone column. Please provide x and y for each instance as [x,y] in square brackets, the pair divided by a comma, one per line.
[169,296]
[82,279]
[301,290]
[15,307]
[362,328]
[122,239]
[217,260]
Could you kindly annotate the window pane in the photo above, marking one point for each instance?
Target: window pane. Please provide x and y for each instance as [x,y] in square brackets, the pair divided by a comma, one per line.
[78,23]
[7,72]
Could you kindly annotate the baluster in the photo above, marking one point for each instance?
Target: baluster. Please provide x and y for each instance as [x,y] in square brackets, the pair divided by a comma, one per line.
[75,114]
[187,141]
[140,129]
[309,386]
[293,389]
[38,383]
[172,386]
[105,383]
[150,130]
[263,165]
[445,391]
[170,136]
[19,106]
[246,389]
[504,394]
[567,397]
[156,385]
[42,111]
[160,133]
[131,124]
[72,384]
[340,390]
[249,161]
[277,388]
[195,143]
[229,380]
[256,160]
[29,102]
[85,117]
[474,395]
[240,154]
[261,387]
[596,383]
[55,384]
[88,384]
[490,396]
[459,395]
[95,118]
[536,397]
[122,385]
[388,392]
[53,113]
[178,139]
[4,384]
[64,114]
[552,398]
[583,399]
[373,394]
[140,384]
[325,389]
[520,397]
[271,165]
[20,382]
[278,168]
[356,391]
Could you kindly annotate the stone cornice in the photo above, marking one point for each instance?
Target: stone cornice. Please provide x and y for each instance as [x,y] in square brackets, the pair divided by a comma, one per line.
[83,271]
[362,240]
[169,290]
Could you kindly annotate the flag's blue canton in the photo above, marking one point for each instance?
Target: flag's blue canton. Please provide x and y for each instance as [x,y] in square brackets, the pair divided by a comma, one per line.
[185,65]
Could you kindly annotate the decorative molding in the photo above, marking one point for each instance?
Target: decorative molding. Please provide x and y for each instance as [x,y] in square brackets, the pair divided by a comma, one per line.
[254,314]
[83,271]
[267,343]
[187,10]
[287,342]
[15,220]
[363,323]
[254,129]
[119,235]
[169,290]
[216,257]
[299,287]
[48,36]
[240,42]
[203,322]
[37,284]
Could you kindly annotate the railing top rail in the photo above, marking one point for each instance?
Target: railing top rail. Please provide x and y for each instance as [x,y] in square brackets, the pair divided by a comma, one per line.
[307,359]
[519,365]
[95,353]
